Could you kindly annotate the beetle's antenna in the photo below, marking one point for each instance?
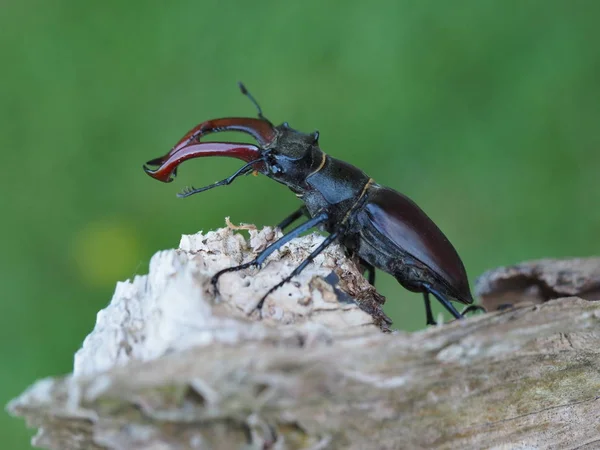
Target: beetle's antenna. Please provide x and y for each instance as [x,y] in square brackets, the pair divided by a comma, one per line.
[253,100]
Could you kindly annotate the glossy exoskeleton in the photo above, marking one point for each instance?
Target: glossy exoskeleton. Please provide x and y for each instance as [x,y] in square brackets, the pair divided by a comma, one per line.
[381,227]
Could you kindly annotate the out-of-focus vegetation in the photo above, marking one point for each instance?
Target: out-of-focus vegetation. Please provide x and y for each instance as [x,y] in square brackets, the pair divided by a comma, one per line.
[485,113]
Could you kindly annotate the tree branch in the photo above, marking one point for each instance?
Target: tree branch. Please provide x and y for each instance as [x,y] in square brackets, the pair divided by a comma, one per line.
[167,366]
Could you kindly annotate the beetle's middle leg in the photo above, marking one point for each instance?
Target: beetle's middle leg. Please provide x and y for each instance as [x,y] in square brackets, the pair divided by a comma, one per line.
[261,258]
[369,270]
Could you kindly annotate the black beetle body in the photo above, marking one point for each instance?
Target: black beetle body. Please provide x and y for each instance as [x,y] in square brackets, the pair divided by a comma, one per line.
[380,226]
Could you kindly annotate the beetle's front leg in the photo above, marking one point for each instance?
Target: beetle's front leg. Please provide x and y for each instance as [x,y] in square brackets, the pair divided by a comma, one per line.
[245,169]
[302,211]
[328,240]
[261,258]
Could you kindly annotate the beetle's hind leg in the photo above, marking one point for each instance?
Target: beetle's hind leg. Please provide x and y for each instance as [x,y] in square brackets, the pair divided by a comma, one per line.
[429,314]
[261,258]
[442,299]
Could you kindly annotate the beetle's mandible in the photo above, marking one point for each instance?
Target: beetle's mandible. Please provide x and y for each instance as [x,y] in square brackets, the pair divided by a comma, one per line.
[381,227]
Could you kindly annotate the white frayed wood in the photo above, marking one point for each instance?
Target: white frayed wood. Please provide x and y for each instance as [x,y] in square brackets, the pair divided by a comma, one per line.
[174,307]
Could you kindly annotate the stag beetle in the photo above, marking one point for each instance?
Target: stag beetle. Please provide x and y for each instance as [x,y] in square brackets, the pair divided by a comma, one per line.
[383,228]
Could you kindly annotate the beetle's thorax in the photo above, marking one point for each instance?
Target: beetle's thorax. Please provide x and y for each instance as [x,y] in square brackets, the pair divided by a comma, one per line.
[322,182]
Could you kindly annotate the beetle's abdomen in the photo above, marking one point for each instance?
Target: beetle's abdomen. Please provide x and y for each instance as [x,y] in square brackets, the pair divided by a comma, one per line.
[399,220]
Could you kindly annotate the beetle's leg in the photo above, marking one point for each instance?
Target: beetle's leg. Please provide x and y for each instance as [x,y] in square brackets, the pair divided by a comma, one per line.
[366,269]
[243,170]
[292,218]
[168,163]
[370,270]
[261,258]
[429,314]
[326,242]
[444,301]
[473,308]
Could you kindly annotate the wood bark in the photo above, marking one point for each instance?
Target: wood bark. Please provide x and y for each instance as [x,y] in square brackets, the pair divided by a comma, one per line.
[171,366]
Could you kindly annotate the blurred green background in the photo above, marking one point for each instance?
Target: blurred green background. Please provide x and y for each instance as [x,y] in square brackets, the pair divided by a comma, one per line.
[485,113]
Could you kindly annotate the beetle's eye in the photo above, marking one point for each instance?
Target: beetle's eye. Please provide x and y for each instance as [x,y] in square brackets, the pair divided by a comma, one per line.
[274,168]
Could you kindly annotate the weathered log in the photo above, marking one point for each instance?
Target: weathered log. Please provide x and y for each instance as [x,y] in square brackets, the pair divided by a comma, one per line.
[168,367]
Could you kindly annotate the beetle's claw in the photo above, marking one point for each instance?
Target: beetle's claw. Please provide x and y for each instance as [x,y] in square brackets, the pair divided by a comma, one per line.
[214,281]
[260,304]
[472,309]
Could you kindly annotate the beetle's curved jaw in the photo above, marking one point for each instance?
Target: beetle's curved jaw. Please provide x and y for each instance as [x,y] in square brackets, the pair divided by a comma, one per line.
[166,166]
[261,130]
[189,145]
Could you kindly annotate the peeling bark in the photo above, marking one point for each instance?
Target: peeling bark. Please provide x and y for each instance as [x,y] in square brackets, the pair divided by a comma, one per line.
[539,281]
[167,366]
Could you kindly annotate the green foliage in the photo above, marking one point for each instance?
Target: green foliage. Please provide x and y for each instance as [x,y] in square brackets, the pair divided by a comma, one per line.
[485,113]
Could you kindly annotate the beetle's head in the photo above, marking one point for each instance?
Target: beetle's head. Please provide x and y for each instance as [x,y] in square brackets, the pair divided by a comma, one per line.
[292,155]
[283,154]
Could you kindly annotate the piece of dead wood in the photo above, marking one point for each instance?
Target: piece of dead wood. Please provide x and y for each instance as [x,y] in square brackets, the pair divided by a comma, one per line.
[539,281]
[167,367]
